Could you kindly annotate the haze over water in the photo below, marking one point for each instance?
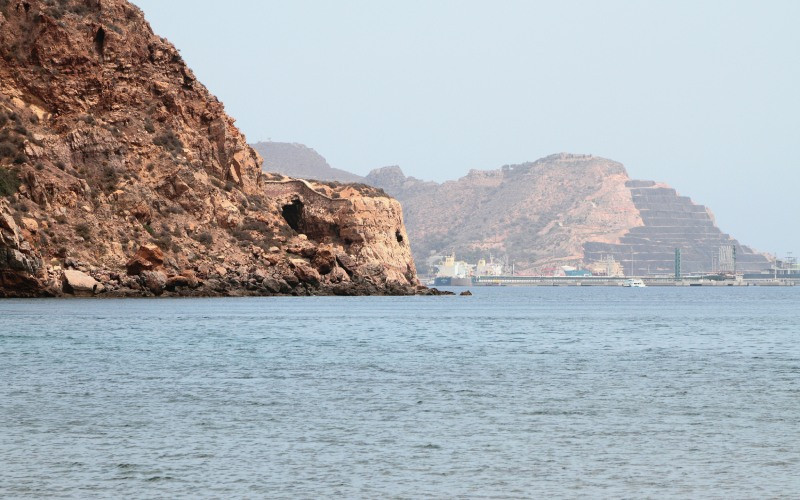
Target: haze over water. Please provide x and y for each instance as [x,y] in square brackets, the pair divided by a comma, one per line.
[513,392]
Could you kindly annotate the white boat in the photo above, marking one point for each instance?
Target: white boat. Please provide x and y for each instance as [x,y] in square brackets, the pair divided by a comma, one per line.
[634,283]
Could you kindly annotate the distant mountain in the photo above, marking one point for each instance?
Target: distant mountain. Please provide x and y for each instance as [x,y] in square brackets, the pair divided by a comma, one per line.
[297,160]
[565,209]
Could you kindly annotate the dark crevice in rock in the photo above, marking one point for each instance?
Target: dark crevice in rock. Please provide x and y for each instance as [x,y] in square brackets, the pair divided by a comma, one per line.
[100,43]
[293,214]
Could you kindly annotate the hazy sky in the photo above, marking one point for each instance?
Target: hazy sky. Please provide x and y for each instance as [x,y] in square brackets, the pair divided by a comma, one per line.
[702,95]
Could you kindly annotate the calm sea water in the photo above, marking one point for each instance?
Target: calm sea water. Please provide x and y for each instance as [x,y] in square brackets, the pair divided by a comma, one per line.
[514,392]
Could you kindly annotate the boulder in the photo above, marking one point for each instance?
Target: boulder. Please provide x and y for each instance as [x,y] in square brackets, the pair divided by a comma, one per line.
[155,281]
[147,258]
[179,281]
[466,294]
[338,275]
[324,260]
[80,283]
[30,224]
[304,272]
[347,263]
[273,285]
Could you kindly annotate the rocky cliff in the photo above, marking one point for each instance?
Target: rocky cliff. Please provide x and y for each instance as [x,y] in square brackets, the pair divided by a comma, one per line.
[297,160]
[121,175]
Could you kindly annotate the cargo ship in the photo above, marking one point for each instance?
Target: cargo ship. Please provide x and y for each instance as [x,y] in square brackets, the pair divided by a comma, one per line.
[451,272]
[452,281]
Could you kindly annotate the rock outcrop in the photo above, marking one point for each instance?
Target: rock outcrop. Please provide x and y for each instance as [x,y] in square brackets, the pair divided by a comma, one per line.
[116,163]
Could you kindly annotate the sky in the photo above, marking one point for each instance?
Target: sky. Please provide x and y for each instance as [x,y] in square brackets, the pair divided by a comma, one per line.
[704,96]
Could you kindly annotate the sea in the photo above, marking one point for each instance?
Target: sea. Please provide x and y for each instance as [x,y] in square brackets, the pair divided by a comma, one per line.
[547,392]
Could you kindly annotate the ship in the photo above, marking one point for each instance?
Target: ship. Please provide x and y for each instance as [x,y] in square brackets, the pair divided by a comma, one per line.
[453,273]
[451,281]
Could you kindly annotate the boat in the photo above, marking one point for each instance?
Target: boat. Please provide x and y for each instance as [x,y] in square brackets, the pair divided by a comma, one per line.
[634,283]
[451,272]
[452,281]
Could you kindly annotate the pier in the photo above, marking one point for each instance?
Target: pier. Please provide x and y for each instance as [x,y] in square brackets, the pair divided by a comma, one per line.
[619,280]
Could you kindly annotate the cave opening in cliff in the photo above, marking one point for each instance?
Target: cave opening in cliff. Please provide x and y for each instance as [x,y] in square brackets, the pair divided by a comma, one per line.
[100,42]
[399,236]
[293,214]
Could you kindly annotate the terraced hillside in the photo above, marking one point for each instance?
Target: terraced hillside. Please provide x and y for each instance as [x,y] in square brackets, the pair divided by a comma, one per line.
[671,221]
[564,209]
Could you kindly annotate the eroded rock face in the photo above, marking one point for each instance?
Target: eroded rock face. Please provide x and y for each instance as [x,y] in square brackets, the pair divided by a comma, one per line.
[120,165]
[20,265]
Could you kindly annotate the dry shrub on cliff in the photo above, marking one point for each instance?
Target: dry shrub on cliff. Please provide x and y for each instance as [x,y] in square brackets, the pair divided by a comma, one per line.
[255,225]
[164,240]
[257,201]
[9,182]
[205,238]
[366,190]
[241,235]
[7,149]
[110,177]
[169,141]
[84,231]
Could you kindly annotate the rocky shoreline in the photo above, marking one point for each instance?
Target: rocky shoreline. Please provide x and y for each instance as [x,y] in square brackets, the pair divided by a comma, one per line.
[121,175]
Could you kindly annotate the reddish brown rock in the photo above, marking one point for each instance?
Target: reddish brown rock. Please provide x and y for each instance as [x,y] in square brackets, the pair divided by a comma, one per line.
[147,258]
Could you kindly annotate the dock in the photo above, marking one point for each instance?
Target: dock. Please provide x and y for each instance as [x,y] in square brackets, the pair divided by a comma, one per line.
[618,281]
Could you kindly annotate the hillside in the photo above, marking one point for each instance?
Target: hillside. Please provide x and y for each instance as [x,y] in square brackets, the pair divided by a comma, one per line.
[561,210]
[297,160]
[120,174]
[564,209]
